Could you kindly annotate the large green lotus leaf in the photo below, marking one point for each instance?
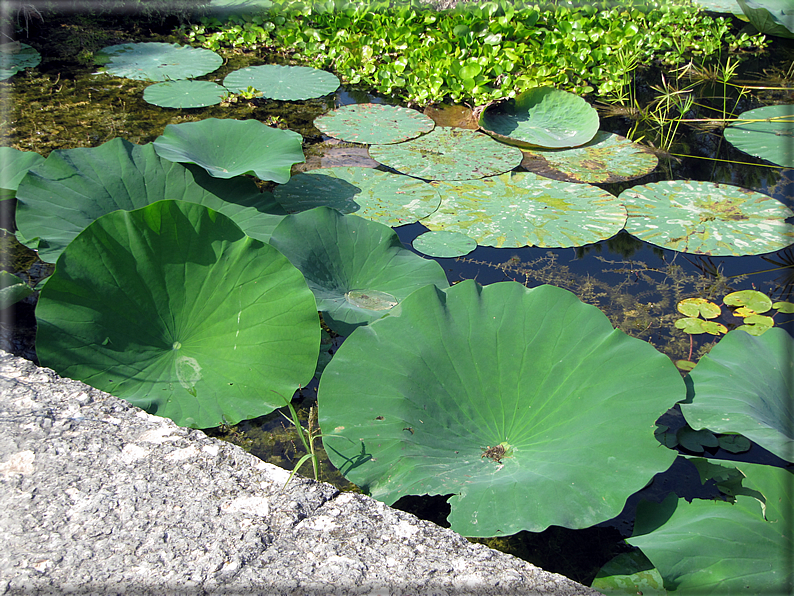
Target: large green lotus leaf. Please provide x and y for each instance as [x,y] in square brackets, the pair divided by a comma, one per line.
[770,17]
[173,308]
[524,403]
[766,132]
[156,61]
[744,385]
[724,548]
[357,269]
[629,574]
[520,208]
[391,199]
[184,94]
[288,83]
[73,187]
[374,123]
[707,218]
[16,57]
[447,153]
[606,158]
[227,148]
[542,117]
[14,164]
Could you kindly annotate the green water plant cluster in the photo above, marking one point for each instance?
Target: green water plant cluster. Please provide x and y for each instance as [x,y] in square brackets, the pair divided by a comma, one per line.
[478,53]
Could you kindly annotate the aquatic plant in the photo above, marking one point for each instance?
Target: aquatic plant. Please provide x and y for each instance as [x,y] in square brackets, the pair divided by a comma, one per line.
[503,396]
[766,133]
[14,164]
[16,57]
[286,83]
[374,123]
[174,309]
[184,94]
[155,61]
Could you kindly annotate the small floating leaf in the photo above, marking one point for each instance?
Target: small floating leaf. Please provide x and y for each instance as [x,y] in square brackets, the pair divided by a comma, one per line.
[707,218]
[757,324]
[542,117]
[756,301]
[286,83]
[693,307]
[156,61]
[734,443]
[444,244]
[374,123]
[184,94]
[695,326]
[16,57]
[448,154]
[784,307]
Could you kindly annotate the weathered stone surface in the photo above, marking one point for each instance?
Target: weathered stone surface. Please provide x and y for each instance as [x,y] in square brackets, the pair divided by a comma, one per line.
[96,496]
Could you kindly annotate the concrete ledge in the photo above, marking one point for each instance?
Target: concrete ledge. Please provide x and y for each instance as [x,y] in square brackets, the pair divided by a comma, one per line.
[98,497]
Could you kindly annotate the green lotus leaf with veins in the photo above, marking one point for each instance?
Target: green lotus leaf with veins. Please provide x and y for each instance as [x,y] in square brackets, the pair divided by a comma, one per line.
[390,199]
[14,164]
[505,397]
[184,94]
[73,187]
[357,269]
[174,309]
[227,148]
[524,209]
[374,123]
[707,218]
[542,117]
[156,61]
[288,83]
[766,132]
[447,153]
[744,385]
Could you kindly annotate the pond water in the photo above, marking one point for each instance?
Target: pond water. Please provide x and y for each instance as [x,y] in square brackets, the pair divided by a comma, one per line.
[63,104]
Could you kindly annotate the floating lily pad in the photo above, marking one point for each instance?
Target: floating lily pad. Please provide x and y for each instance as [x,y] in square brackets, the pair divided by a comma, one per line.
[448,154]
[16,57]
[288,83]
[695,326]
[767,133]
[157,61]
[173,308]
[505,397]
[374,123]
[59,198]
[694,307]
[357,269]
[523,209]
[444,244]
[707,218]
[228,148]
[606,158]
[756,301]
[184,94]
[744,385]
[391,199]
[542,117]
[14,164]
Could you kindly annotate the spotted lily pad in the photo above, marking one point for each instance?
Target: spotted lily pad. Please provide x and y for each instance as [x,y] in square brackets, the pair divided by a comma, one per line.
[391,199]
[227,148]
[444,244]
[184,94]
[605,159]
[524,209]
[14,164]
[542,117]
[695,326]
[448,153]
[374,123]
[358,270]
[288,83]
[707,218]
[156,61]
[766,132]
[693,307]
[16,57]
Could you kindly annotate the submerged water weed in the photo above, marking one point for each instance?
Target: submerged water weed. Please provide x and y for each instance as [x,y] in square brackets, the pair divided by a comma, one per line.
[641,303]
[478,53]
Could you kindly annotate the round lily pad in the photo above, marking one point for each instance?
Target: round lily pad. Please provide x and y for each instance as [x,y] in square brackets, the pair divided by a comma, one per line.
[707,218]
[695,326]
[14,164]
[448,153]
[524,209]
[227,148]
[756,301]
[767,133]
[605,159]
[444,244]
[357,269]
[157,61]
[184,94]
[16,57]
[288,83]
[542,117]
[391,199]
[374,123]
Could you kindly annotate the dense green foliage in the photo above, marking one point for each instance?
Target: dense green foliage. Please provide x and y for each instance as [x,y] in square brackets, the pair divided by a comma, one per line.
[478,53]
